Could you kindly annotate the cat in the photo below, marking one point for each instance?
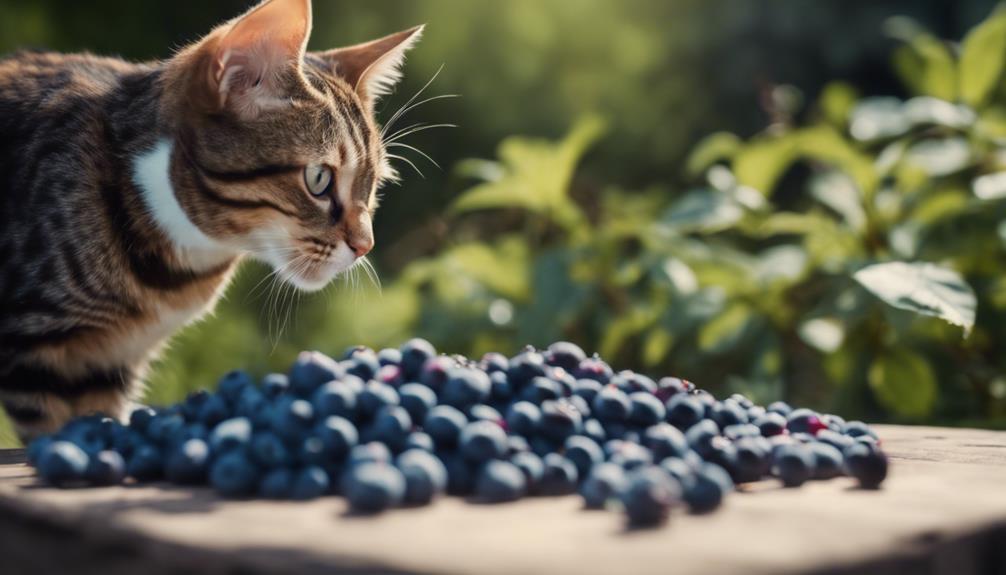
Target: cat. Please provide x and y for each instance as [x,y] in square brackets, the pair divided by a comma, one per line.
[129,193]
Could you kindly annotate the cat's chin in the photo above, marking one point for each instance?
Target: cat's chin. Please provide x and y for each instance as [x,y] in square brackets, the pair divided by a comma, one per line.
[314,279]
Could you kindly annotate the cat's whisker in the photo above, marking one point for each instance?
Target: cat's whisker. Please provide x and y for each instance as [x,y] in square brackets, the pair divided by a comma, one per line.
[416,150]
[415,129]
[401,111]
[409,162]
[375,279]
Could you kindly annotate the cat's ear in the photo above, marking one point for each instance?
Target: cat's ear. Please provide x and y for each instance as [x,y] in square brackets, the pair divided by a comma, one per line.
[249,61]
[373,68]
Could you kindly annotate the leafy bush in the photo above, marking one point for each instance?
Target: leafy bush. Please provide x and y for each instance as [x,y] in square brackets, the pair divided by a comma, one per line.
[814,260]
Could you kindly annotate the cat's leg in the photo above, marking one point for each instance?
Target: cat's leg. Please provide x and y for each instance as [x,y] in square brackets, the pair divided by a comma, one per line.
[40,401]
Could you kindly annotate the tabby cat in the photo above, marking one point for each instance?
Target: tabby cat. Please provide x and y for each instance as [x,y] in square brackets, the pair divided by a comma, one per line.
[130,192]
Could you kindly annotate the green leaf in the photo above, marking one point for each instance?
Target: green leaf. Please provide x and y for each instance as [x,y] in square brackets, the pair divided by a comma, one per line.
[940,156]
[726,329]
[983,57]
[923,288]
[763,161]
[903,382]
[837,101]
[924,63]
[878,118]
[703,210]
[838,191]
[713,148]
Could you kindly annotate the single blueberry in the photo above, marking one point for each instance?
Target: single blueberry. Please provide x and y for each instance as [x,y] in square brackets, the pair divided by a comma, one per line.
[140,418]
[425,476]
[338,435]
[373,487]
[145,463]
[481,441]
[275,385]
[444,424]
[587,389]
[482,412]
[753,459]
[389,356]
[493,362]
[794,464]
[559,420]
[524,367]
[729,412]
[188,463]
[335,398]
[106,468]
[804,421]
[369,453]
[434,373]
[631,382]
[593,429]
[311,370]
[664,440]
[415,353]
[460,473]
[710,486]
[310,482]
[391,426]
[628,454]
[63,464]
[772,423]
[500,391]
[363,364]
[213,411]
[419,440]
[233,383]
[611,405]
[230,435]
[604,483]
[523,418]
[277,484]
[684,411]
[541,389]
[593,368]
[531,466]
[233,474]
[292,418]
[584,452]
[867,463]
[780,407]
[645,409]
[466,387]
[164,427]
[565,354]
[668,387]
[375,395]
[559,476]
[500,482]
[828,461]
[417,399]
[269,451]
[649,495]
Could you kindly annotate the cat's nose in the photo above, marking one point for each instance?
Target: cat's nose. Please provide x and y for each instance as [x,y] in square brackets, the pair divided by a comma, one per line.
[361,246]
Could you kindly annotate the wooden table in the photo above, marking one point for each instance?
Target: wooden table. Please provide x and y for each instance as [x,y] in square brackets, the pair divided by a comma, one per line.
[942,510]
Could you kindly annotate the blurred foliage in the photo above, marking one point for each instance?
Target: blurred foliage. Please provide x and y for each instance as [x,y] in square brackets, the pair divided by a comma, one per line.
[728,283]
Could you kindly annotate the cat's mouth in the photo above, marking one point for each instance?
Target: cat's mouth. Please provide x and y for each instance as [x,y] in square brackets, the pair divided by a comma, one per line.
[309,264]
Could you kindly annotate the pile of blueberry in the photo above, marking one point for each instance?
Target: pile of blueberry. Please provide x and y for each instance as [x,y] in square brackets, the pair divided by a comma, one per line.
[404,426]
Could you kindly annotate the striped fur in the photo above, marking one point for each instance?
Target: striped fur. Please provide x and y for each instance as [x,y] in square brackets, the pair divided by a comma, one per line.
[130,192]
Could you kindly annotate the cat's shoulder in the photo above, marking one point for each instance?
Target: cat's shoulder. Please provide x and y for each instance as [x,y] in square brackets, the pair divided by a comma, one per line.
[39,66]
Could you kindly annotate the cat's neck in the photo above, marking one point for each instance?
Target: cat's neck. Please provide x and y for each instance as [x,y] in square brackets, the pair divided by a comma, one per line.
[145,119]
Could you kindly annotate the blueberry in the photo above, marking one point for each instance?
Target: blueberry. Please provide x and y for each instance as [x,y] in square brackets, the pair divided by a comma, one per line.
[390,356]
[254,405]
[587,389]
[482,441]
[369,453]
[419,440]
[649,495]
[664,440]
[700,435]
[531,466]
[415,353]
[611,405]
[804,421]
[780,407]
[540,390]
[859,429]
[444,424]
[593,429]
[753,459]
[231,434]
[627,454]
[541,446]
[604,483]
[312,451]
[275,385]
[493,362]
[140,418]
[233,383]
[213,411]
[836,440]
[516,444]
[794,464]
[645,409]
[584,452]
[335,398]
[391,375]
[425,476]
[311,370]
[392,426]
[63,464]
[193,404]
[460,473]
[772,423]
[311,482]
[593,368]
[466,387]
[684,411]
[353,351]
[867,463]
[500,390]
[269,451]
[277,484]
[565,354]
[233,474]
[668,387]
[681,470]
[164,426]
[84,435]
[37,447]
[631,382]
[559,420]
[417,399]
[106,468]
[559,477]
[292,418]
[375,395]
[188,462]
[828,461]
[482,412]
[363,364]
[524,367]
[727,413]
[145,463]
[711,484]
[374,487]
[500,482]
[739,430]
[434,373]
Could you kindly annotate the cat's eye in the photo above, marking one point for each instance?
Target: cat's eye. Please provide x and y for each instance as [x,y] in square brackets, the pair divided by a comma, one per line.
[318,179]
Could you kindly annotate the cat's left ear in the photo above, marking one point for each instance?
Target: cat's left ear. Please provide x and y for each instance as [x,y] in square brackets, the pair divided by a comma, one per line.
[249,60]
[373,68]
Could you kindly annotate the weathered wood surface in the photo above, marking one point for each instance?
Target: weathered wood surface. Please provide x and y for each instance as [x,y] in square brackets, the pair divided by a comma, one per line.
[942,510]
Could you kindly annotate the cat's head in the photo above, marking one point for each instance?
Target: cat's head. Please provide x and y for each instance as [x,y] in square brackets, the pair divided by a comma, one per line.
[276,149]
